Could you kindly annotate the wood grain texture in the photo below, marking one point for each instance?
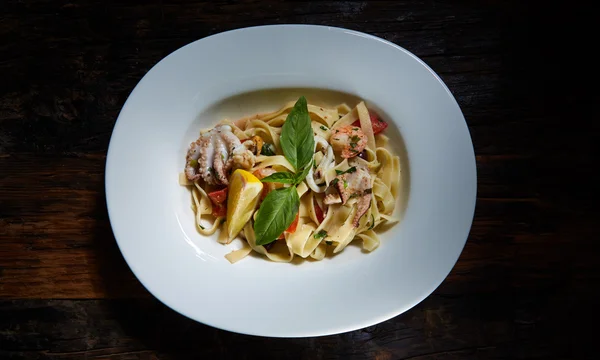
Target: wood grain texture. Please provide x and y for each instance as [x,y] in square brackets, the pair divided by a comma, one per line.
[524,286]
[481,326]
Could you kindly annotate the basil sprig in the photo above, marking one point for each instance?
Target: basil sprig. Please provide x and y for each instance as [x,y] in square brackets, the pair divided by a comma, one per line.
[287,177]
[279,208]
[297,139]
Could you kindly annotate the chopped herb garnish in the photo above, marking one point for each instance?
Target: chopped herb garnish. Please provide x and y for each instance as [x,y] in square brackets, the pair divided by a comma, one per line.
[193,163]
[355,138]
[323,128]
[334,181]
[353,145]
[372,222]
[355,129]
[321,234]
[201,227]
[348,171]
[329,243]
[345,184]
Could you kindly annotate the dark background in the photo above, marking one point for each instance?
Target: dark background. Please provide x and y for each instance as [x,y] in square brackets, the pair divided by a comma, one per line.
[523,73]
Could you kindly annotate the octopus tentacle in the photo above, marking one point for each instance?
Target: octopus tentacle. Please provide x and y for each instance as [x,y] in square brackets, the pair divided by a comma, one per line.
[215,153]
[219,162]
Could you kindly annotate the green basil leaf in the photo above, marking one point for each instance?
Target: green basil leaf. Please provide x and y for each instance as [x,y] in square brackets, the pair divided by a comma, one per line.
[281,177]
[276,213]
[297,139]
[302,175]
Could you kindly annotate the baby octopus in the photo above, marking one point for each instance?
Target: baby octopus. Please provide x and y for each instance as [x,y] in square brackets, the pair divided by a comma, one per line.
[216,152]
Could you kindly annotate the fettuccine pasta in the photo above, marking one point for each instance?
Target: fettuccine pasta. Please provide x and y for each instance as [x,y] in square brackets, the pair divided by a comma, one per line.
[347,190]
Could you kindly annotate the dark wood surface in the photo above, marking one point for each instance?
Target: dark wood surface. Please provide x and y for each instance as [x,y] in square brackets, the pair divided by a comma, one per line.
[524,287]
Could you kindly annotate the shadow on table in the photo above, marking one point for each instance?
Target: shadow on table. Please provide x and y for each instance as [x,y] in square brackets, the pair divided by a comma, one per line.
[116,280]
[152,325]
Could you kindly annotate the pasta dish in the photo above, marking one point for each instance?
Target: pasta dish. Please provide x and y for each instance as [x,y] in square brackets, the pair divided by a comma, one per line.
[301,181]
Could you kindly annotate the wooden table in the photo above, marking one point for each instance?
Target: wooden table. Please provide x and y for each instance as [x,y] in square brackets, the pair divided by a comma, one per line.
[524,287]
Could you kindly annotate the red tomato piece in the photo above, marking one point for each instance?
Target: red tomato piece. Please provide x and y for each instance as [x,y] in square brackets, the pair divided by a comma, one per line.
[218,196]
[291,229]
[318,212]
[294,225]
[377,124]
[219,210]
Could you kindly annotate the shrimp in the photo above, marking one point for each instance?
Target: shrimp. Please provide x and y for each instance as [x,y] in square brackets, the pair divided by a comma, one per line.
[348,141]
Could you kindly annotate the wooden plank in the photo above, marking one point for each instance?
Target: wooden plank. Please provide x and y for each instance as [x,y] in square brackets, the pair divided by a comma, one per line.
[479,326]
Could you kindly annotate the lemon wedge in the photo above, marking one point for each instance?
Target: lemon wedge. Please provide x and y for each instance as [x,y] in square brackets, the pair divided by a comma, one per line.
[244,191]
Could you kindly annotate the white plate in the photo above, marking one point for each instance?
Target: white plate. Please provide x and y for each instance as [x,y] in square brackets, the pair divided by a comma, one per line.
[196,86]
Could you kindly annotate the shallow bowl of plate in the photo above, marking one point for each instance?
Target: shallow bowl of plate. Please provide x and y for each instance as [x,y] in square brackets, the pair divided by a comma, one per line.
[252,70]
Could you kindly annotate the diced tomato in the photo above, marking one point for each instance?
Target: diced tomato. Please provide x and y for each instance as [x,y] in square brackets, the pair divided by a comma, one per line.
[318,212]
[218,196]
[291,229]
[219,210]
[377,124]
[294,225]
